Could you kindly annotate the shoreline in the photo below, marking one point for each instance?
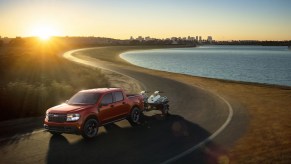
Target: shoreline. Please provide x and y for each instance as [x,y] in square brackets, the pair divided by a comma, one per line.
[262,102]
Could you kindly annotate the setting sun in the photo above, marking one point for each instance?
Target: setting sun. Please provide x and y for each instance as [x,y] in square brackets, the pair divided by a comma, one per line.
[44,37]
[44,32]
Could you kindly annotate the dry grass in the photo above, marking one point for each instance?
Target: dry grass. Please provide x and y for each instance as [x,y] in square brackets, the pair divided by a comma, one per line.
[34,78]
[268,136]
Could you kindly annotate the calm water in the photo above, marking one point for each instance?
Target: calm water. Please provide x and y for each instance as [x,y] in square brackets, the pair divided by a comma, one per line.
[259,64]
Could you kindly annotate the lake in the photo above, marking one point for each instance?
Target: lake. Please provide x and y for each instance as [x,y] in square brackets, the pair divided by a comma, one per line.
[260,64]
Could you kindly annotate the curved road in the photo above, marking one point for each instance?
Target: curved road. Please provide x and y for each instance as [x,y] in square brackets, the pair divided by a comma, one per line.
[200,126]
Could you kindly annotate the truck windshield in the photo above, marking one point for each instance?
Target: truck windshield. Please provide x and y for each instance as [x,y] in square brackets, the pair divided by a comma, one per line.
[83,98]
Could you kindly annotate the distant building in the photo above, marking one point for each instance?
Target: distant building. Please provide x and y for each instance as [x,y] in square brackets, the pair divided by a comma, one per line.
[140,38]
[191,38]
[131,38]
[209,39]
[200,38]
[197,38]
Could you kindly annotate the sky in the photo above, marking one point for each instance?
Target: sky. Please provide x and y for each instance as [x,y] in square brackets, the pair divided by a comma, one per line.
[120,19]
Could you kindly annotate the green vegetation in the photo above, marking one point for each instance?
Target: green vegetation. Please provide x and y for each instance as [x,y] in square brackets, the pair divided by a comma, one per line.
[34,78]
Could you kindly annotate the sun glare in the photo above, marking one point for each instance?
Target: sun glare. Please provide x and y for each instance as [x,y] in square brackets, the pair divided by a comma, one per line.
[44,37]
[43,32]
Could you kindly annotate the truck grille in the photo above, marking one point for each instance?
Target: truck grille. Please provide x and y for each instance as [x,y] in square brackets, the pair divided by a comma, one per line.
[55,117]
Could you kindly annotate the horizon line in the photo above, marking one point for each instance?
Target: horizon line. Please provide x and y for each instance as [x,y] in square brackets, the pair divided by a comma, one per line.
[92,36]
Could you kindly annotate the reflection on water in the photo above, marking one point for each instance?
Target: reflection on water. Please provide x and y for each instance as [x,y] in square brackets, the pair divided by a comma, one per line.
[261,64]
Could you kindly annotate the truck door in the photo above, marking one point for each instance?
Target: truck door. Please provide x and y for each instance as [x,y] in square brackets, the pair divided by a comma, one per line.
[120,105]
[106,108]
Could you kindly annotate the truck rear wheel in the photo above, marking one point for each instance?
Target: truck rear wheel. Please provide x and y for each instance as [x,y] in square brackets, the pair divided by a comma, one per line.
[134,117]
[90,129]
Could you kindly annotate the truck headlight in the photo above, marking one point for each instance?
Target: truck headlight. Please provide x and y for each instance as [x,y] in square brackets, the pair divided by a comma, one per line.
[73,117]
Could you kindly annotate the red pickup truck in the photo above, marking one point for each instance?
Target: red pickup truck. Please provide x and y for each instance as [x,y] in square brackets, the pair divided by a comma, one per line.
[89,109]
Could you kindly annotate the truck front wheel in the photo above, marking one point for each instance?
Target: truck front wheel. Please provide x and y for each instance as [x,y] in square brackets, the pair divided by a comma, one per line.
[90,129]
[134,117]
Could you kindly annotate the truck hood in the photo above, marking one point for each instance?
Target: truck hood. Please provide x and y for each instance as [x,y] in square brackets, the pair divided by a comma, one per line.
[66,108]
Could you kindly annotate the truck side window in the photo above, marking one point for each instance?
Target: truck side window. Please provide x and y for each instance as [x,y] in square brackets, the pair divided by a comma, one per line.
[107,99]
[118,96]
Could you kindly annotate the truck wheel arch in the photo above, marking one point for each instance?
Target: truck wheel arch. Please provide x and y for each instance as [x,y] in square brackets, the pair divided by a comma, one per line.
[89,117]
[131,119]
[135,106]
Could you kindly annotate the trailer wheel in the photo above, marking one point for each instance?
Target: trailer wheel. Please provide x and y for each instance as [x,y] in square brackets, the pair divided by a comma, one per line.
[165,110]
[134,118]
[90,129]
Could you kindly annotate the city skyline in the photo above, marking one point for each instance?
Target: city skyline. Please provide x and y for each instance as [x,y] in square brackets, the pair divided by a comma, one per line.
[223,20]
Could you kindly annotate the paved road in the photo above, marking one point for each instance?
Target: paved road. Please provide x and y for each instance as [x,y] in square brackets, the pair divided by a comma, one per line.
[200,121]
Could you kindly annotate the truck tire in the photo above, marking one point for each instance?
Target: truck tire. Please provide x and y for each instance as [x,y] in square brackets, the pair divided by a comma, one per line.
[90,128]
[134,117]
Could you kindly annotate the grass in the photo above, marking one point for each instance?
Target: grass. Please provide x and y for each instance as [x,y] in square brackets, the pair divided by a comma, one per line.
[34,78]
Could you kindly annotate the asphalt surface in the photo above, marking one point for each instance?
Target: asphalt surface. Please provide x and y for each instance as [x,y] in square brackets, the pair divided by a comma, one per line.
[200,128]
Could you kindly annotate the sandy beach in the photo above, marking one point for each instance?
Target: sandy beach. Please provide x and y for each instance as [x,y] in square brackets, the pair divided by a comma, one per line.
[267,132]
